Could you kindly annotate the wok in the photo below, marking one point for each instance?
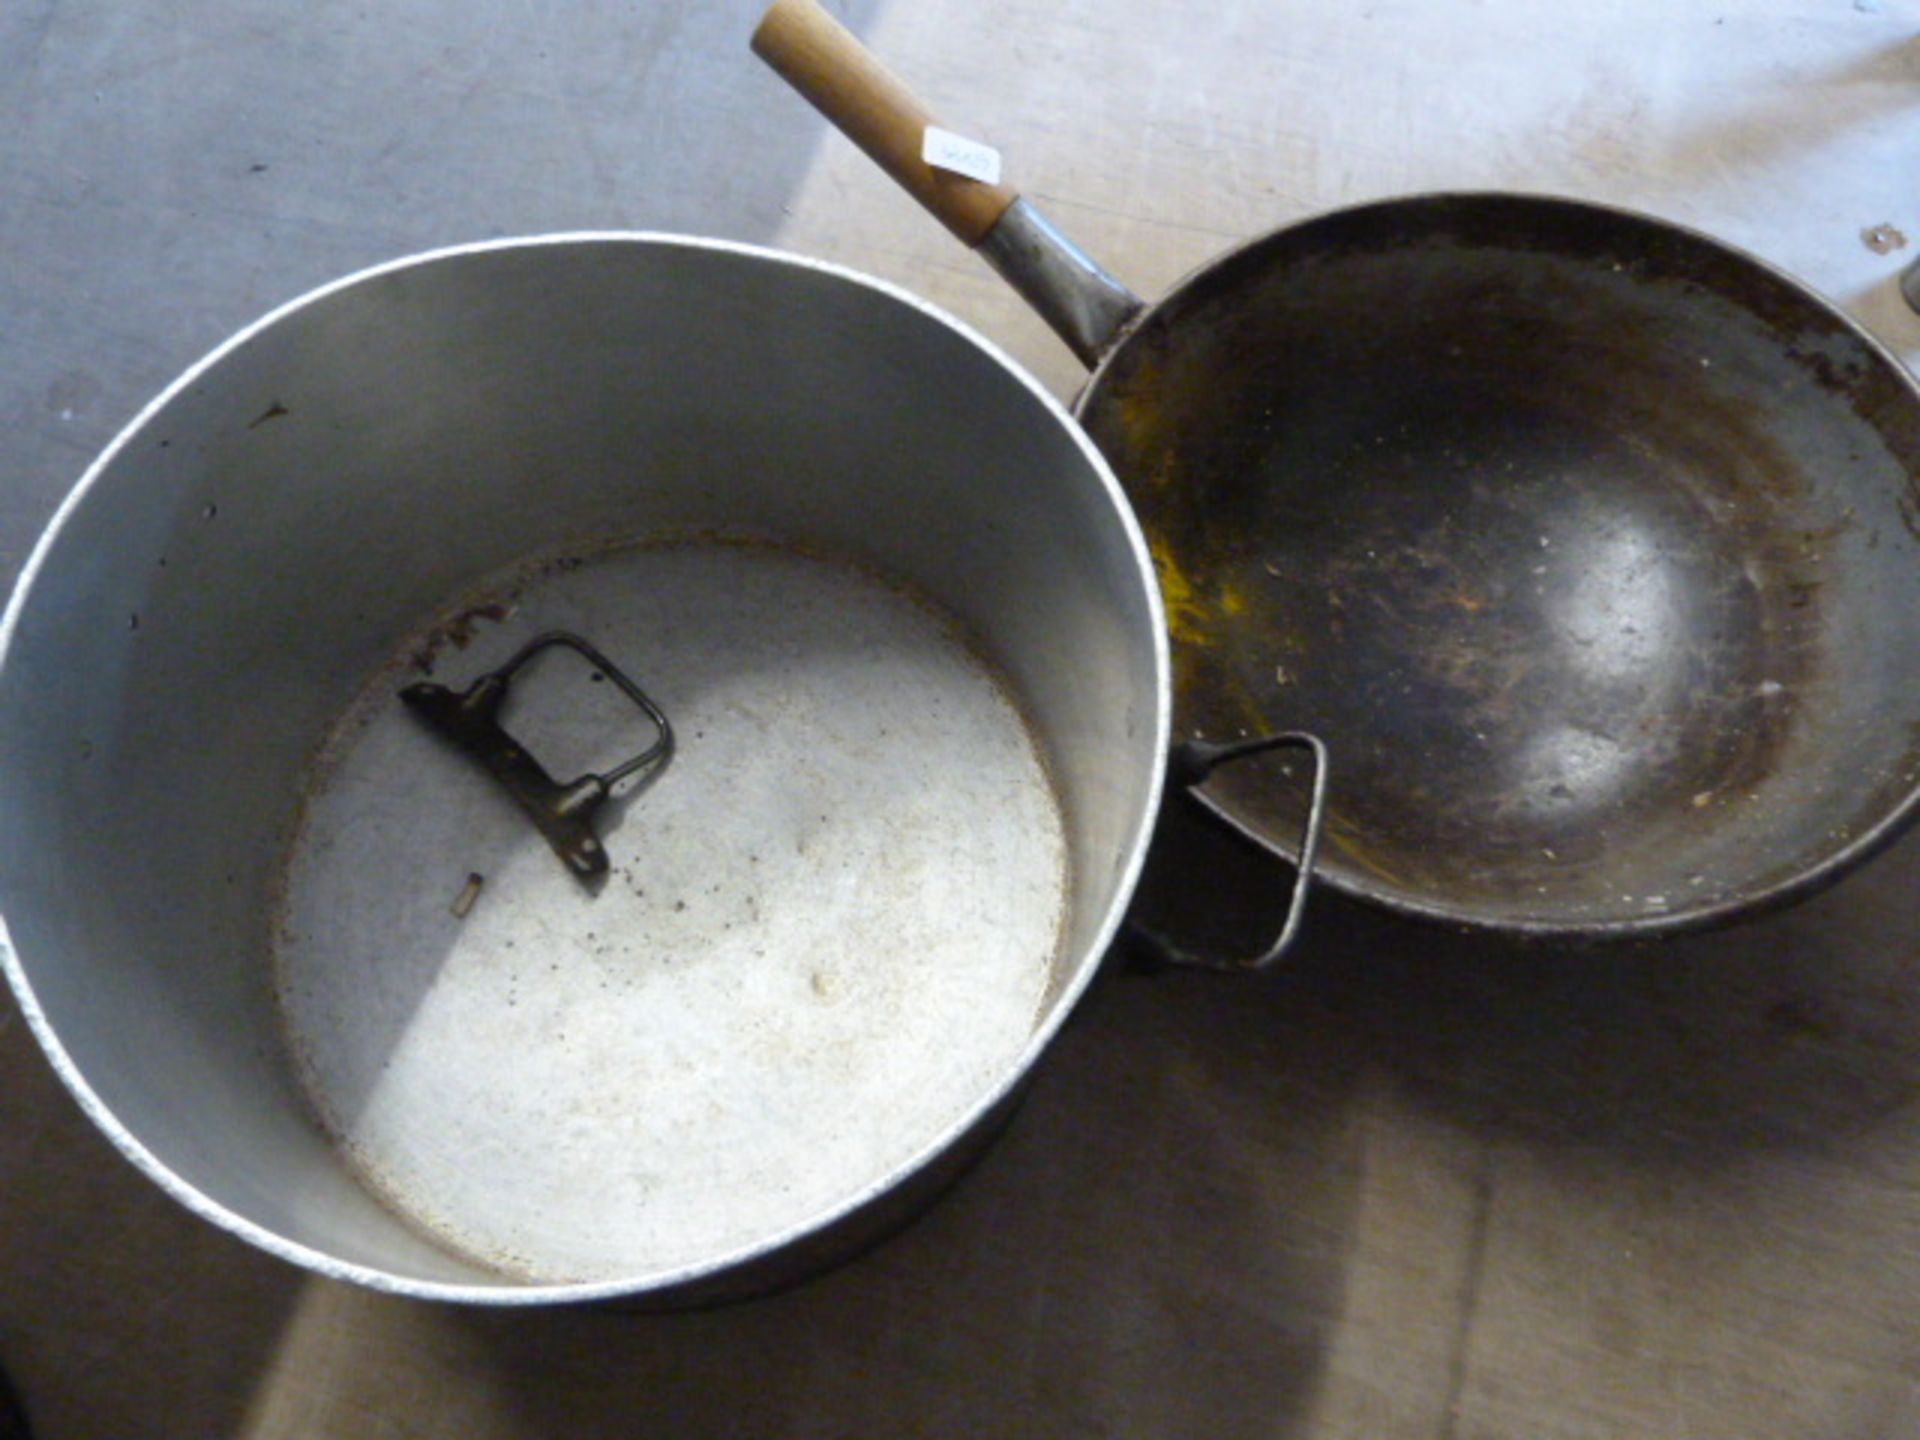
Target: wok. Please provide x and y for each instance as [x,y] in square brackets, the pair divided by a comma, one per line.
[1589,544]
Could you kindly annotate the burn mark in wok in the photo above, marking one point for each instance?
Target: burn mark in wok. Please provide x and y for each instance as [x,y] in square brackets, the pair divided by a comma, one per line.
[1547,528]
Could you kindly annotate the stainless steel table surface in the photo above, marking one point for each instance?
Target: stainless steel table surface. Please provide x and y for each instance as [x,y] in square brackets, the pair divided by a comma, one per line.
[1412,1187]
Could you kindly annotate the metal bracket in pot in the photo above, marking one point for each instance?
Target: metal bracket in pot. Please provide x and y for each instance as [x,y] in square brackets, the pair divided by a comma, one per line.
[562,811]
[1189,766]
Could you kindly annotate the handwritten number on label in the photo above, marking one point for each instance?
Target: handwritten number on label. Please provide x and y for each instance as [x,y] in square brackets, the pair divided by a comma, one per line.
[945,150]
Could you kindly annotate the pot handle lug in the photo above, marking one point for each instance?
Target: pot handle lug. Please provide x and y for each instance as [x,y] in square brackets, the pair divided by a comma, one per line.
[1192,762]
[562,811]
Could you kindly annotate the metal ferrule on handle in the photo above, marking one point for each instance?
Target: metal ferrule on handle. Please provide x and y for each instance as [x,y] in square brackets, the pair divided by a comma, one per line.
[1070,290]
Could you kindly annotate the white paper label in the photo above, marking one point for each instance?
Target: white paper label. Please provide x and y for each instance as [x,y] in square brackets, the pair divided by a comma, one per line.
[945,150]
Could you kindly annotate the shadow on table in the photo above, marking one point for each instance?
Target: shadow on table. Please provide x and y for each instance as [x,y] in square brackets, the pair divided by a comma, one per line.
[1789,1034]
[120,1312]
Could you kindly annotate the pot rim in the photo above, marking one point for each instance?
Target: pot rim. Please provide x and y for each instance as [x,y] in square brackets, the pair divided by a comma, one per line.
[506,1294]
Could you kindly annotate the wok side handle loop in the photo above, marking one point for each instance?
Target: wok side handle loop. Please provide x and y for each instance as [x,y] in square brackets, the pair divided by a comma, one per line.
[1191,763]
[820,58]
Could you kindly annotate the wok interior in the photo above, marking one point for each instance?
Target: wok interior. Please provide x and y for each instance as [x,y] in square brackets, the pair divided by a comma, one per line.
[261,542]
[1589,547]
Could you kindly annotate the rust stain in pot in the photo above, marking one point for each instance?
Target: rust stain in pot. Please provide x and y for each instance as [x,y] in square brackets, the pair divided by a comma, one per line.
[458,632]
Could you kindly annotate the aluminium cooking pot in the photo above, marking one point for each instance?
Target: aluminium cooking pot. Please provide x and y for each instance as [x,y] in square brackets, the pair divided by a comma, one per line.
[311,971]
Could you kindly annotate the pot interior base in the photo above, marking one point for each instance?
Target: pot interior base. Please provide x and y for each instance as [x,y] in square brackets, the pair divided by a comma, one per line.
[829,925]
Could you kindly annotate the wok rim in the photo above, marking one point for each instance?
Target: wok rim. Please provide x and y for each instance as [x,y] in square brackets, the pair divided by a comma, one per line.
[1356,884]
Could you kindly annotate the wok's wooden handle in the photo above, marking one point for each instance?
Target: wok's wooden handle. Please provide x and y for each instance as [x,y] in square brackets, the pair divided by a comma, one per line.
[819,57]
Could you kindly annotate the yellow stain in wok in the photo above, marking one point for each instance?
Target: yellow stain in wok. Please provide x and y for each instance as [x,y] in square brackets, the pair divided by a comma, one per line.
[1143,416]
[1341,838]
[1189,617]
